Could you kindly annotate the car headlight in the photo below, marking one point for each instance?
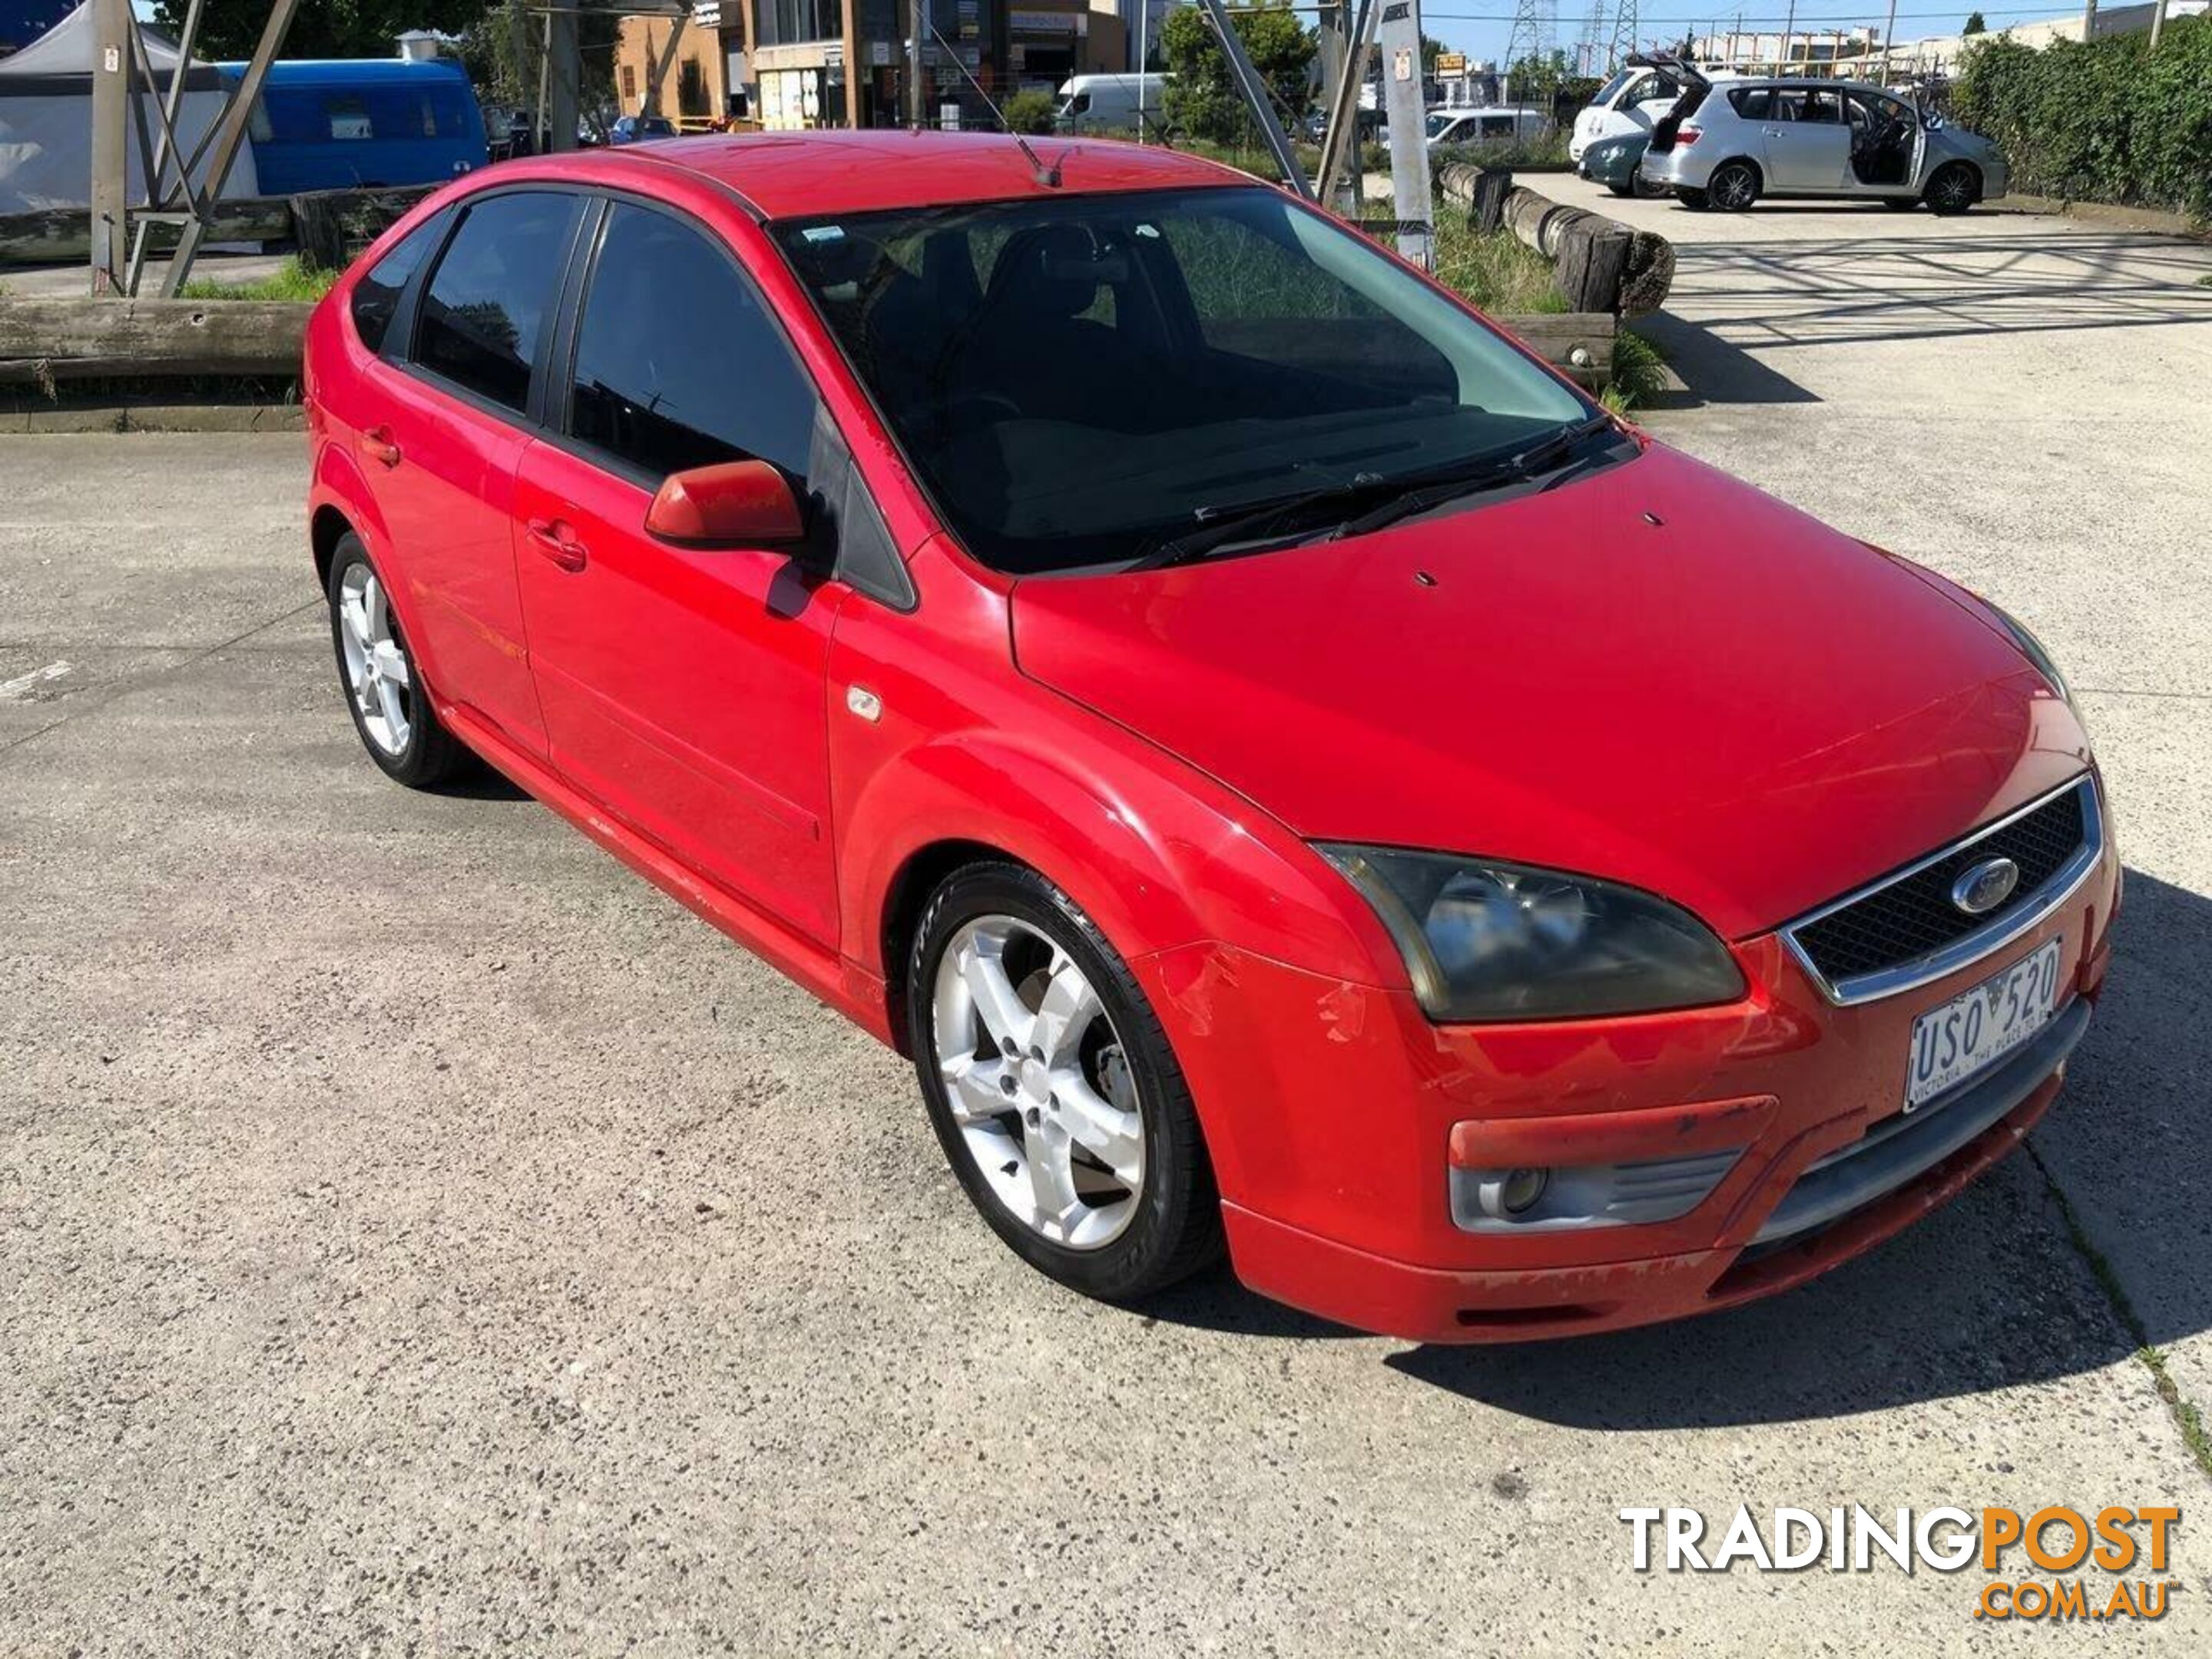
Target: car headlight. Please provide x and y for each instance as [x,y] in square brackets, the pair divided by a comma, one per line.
[2031,649]
[1490,941]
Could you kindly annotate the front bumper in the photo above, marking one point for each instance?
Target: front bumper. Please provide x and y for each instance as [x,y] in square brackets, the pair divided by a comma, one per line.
[1330,1108]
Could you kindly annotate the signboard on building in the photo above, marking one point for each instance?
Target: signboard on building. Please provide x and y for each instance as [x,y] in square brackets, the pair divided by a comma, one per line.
[1043,22]
[1451,63]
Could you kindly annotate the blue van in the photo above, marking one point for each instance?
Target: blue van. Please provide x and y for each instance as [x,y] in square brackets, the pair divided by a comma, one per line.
[337,123]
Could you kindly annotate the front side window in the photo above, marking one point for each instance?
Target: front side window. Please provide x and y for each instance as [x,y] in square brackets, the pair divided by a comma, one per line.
[488,298]
[376,295]
[1077,379]
[677,363]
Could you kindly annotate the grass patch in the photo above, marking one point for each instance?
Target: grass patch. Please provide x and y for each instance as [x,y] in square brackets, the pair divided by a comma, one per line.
[290,281]
[1497,273]
[1639,371]
[2205,281]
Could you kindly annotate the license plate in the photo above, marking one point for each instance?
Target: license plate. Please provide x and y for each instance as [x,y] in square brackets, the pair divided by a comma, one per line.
[1969,1032]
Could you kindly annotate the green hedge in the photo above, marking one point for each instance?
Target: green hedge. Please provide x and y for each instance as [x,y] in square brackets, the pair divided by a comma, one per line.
[2111,121]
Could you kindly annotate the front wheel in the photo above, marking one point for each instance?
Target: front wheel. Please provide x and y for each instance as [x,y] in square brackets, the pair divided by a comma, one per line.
[1954,189]
[1899,204]
[1733,186]
[1053,1090]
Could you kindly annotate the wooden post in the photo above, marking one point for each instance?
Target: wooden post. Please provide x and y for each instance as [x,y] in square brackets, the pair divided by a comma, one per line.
[111,166]
[2157,22]
[1488,210]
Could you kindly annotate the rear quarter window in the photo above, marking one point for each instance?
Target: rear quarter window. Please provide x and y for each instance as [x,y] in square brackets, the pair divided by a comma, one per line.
[376,296]
[488,297]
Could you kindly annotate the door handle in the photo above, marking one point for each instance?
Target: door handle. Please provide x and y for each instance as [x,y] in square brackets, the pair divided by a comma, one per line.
[376,444]
[557,543]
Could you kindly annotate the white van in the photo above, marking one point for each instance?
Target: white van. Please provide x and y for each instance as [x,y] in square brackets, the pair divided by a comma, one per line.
[1109,103]
[1635,98]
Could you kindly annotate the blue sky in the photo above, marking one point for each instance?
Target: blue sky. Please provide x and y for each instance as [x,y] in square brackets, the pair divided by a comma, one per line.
[1480,27]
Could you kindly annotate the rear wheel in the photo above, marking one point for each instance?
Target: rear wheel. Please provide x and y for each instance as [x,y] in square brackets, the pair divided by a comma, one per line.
[1953,189]
[1733,186]
[384,689]
[1052,1090]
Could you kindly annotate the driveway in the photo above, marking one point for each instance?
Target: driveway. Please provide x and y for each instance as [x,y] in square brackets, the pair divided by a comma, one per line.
[417,1232]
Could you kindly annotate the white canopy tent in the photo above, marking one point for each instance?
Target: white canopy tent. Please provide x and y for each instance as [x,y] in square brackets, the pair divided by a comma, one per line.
[46,118]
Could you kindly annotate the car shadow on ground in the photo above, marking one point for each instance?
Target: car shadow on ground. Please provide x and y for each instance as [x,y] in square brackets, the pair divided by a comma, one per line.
[1990,1291]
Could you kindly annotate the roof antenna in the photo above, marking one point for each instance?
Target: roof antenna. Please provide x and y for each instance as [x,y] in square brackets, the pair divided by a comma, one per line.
[1046,176]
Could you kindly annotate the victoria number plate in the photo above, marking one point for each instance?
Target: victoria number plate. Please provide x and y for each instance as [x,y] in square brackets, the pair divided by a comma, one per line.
[1969,1032]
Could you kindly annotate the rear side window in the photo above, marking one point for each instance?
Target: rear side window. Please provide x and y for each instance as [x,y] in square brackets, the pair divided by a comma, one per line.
[376,295]
[653,387]
[1754,103]
[488,300]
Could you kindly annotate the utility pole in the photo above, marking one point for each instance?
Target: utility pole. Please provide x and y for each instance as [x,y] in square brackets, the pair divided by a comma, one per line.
[914,110]
[561,98]
[2157,22]
[1398,38]
[2089,23]
[111,24]
[1788,30]
[1888,41]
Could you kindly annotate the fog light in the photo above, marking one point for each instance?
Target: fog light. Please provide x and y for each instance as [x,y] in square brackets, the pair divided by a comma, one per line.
[1507,1195]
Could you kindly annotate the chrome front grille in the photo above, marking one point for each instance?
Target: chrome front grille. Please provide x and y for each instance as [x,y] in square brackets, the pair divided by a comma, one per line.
[1903,930]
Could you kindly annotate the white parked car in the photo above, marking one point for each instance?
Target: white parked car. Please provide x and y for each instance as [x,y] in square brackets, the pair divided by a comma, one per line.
[1631,101]
[1726,146]
[1482,124]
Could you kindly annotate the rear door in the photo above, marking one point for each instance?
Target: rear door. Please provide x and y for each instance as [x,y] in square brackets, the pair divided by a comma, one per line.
[1808,143]
[454,422]
[683,688]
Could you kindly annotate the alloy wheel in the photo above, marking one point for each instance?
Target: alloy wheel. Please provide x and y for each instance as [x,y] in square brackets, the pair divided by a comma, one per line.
[1952,191]
[377,671]
[1038,1083]
[1733,189]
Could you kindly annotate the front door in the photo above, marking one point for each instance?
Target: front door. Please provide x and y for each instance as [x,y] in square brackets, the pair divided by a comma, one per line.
[1808,145]
[442,449]
[682,688]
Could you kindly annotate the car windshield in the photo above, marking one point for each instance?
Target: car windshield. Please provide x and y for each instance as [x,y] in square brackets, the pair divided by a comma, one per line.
[1437,124]
[1606,93]
[1077,379]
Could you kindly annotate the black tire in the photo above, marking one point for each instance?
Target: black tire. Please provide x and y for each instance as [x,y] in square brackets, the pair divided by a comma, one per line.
[1953,189]
[1177,1228]
[1900,203]
[1625,192]
[433,755]
[1693,199]
[1733,186]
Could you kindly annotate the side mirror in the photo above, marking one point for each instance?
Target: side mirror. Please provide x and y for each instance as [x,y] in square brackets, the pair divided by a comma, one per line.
[731,504]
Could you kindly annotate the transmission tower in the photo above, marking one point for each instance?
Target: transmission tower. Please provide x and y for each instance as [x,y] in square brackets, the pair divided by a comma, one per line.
[1625,31]
[1590,55]
[1534,23]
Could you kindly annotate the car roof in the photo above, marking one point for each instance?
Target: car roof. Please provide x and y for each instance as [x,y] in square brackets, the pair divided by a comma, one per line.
[790,175]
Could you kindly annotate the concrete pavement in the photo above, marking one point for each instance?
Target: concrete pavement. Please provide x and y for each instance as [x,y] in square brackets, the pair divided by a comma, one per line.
[419,1233]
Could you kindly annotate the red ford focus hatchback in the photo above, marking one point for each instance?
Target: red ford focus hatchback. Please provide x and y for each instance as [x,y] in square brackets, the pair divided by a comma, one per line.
[1294,774]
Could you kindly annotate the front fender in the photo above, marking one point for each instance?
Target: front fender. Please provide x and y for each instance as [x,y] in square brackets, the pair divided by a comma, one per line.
[965,749]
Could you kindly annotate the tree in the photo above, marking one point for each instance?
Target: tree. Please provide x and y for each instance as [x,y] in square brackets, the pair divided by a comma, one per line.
[1537,81]
[324,28]
[1974,24]
[1203,100]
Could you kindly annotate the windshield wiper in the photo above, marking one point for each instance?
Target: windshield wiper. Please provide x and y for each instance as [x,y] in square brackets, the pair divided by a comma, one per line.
[1524,464]
[1218,527]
